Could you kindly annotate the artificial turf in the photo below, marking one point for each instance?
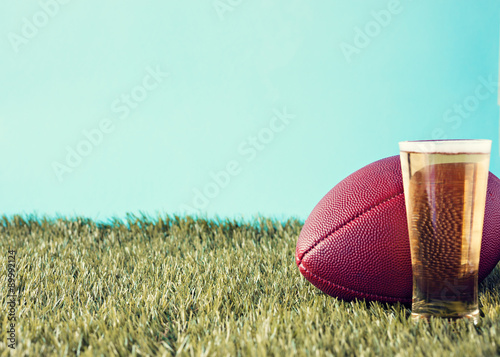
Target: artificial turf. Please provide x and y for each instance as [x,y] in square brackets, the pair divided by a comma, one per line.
[200,287]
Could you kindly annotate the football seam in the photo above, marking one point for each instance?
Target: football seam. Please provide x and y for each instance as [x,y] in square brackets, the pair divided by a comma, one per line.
[355,292]
[328,235]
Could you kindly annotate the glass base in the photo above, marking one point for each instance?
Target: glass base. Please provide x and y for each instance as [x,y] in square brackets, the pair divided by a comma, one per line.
[473,316]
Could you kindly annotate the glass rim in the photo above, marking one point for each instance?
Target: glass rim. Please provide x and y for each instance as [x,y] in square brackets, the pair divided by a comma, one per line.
[449,146]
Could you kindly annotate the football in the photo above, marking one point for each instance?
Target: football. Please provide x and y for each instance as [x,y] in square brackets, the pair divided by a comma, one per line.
[355,242]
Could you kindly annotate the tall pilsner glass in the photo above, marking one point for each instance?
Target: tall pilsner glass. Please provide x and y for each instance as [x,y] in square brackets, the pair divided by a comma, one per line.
[445,194]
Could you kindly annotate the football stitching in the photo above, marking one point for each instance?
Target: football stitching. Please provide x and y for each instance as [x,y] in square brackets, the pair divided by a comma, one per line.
[345,224]
[354,292]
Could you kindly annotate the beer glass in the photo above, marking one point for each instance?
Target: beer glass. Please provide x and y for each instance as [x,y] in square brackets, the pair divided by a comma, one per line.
[445,193]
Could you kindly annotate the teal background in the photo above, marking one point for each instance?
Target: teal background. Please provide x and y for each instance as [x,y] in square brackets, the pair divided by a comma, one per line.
[231,65]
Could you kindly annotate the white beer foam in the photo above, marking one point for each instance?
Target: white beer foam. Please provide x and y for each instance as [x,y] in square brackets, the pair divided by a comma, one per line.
[447,146]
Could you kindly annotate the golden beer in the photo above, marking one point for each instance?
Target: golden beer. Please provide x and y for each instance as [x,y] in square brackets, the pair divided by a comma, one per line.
[445,194]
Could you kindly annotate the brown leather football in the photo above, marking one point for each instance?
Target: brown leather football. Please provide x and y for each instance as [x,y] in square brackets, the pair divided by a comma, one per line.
[355,242]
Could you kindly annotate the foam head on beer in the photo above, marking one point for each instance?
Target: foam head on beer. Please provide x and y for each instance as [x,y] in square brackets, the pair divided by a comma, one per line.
[446,146]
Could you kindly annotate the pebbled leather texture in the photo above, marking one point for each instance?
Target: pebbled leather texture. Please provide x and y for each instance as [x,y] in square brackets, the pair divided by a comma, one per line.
[355,242]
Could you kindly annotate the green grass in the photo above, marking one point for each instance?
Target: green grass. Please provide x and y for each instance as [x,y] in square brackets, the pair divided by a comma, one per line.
[197,287]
